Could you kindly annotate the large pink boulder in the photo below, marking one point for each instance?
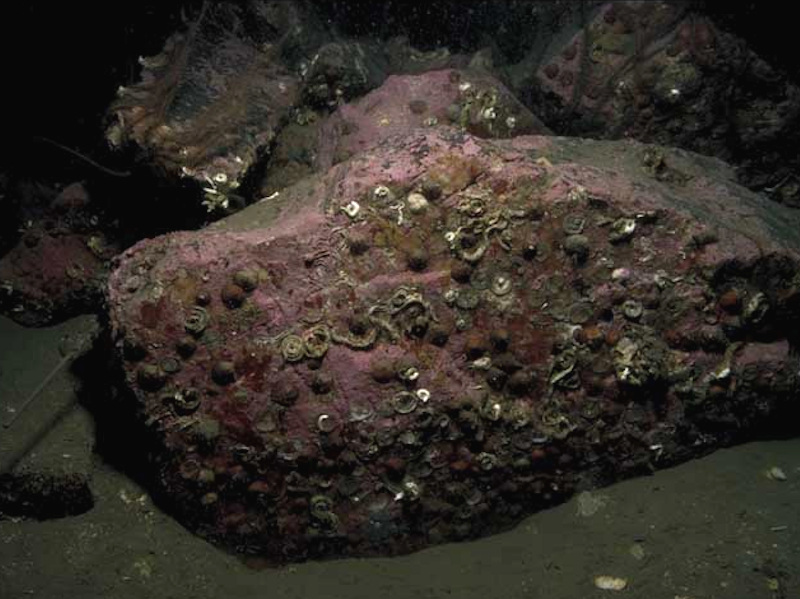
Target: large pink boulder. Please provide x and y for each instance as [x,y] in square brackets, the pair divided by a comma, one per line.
[444,334]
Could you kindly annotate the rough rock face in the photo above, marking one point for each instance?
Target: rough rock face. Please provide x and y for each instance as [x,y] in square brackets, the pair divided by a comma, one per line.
[469,98]
[210,105]
[444,334]
[475,101]
[52,274]
[216,95]
[661,73]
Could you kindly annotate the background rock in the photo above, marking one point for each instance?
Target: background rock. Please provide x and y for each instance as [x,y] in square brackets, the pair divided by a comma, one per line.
[472,99]
[212,100]
[211,103]
[662,72]
[52,275]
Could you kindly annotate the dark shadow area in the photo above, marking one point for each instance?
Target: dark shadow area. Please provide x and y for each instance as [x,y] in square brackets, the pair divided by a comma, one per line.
[120,439]
[65,64]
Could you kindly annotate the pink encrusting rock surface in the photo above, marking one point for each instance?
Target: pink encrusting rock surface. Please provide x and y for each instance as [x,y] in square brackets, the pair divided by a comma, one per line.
[472,99]
[50,276]
[444,334]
